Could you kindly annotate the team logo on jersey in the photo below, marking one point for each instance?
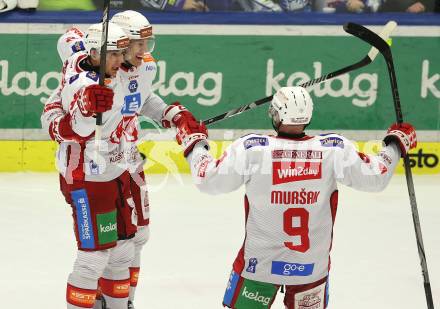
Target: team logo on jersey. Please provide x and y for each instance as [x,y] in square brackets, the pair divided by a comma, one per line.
[92,75]
[78,46]
[332,141]
[73,78]
[255,141]
[252,265]
[94,168]
[83,219]
[133,86]
[284,172]
[291,269]
[132,103]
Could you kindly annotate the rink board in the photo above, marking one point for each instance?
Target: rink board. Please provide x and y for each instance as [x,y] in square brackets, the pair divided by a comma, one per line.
[215,68]
[165,157]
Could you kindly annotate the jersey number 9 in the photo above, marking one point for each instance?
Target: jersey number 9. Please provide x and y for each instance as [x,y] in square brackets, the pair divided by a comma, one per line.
[302,230]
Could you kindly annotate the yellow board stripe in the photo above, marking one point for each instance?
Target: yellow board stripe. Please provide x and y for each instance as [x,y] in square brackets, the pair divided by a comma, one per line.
[166,156]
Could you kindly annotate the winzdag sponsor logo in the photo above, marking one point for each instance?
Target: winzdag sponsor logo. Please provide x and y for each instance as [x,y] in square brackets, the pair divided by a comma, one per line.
[284,172]
[255,296]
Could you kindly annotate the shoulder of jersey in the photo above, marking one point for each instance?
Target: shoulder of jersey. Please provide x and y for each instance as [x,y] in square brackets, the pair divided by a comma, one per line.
[254,140]
[84,78]
[332,140]
[148,58]
[73,61]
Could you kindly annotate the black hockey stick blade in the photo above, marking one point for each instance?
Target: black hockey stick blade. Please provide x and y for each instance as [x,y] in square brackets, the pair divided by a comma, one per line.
[369,36]
[383,47]
[385,33]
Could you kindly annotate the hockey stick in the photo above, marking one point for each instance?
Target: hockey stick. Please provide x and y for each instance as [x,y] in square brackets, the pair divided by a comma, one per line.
[373,39]
[389,27]
[102,64]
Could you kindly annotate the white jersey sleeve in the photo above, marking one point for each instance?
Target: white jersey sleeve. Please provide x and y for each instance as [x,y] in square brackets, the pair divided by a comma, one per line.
[219,176]
[153,107]
[52,109]
[70,43]
[362,172]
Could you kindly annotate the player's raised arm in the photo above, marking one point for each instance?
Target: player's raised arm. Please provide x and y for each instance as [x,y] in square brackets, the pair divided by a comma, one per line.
[210,175]
[219,176]
[373,173]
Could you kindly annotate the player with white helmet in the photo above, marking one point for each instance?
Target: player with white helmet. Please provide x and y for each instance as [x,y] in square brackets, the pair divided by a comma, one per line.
[102,230]
[291,198]
[135,76]
[139,63]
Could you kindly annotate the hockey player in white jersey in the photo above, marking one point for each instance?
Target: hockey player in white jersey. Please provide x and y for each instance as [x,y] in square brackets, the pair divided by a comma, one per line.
[139,70]
[291,198]
[94,200]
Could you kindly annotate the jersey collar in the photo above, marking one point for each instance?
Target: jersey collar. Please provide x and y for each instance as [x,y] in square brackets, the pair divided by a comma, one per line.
[295,137]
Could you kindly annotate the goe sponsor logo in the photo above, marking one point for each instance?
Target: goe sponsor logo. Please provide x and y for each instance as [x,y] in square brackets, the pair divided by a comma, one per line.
[291,269]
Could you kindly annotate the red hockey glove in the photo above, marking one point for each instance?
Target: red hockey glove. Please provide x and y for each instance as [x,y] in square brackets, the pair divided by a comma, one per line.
[175,115]
[189,134]
[96,99]
[404,135]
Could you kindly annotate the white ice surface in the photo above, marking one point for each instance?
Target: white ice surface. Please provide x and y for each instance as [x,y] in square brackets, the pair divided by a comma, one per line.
[195,238]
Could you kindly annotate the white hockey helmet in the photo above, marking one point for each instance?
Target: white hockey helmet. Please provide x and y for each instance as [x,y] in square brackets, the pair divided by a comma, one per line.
[116,40]
[7,5]
[291,105]
[136,26]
